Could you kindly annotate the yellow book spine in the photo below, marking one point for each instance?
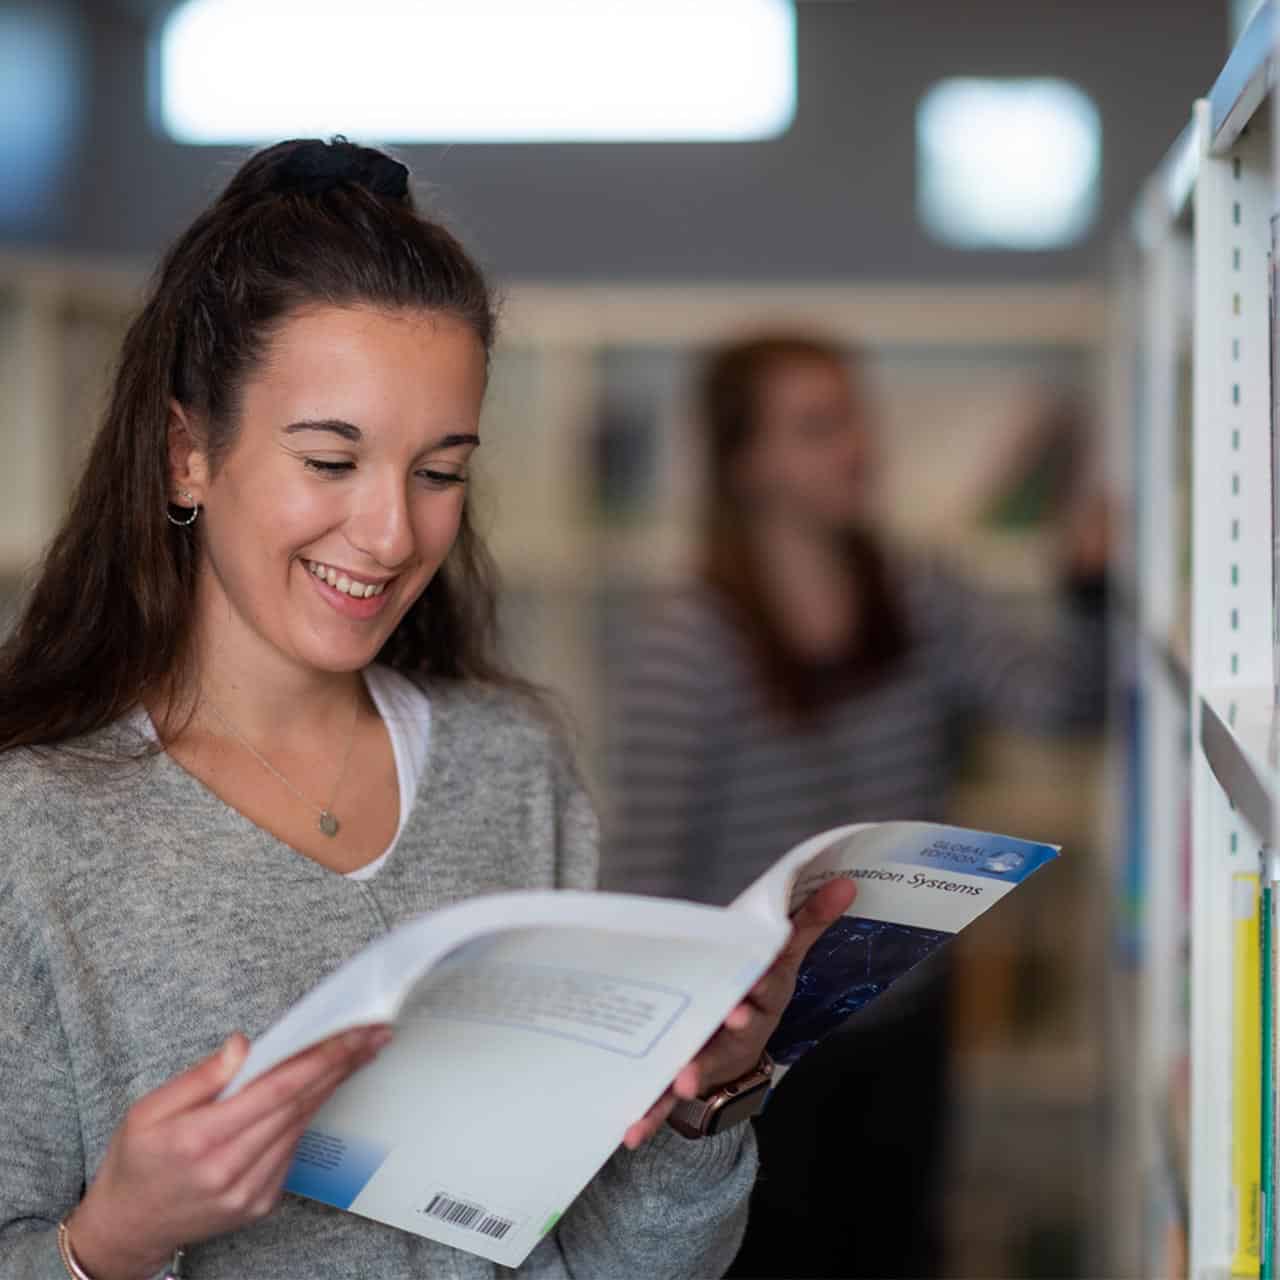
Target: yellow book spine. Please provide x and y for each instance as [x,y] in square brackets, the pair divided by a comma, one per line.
[1246,1120]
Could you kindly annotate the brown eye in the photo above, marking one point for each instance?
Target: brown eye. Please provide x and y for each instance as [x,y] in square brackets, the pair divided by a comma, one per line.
[443,479]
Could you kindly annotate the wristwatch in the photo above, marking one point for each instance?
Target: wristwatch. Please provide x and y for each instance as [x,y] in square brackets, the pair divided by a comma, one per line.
[729,1105]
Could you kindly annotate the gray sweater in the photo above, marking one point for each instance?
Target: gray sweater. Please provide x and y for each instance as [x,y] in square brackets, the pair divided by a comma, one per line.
[142,920]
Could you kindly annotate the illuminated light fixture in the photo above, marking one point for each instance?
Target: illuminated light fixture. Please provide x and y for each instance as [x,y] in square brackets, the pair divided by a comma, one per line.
[1007,164]
[249,71]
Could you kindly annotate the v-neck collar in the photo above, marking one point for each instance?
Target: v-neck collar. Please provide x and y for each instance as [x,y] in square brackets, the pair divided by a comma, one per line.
[265,842]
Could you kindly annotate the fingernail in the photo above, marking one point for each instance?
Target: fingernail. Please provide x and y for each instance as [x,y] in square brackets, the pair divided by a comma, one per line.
[380,1039]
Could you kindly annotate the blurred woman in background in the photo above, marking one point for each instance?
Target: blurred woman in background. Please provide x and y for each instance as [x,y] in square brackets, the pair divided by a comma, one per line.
[812,677]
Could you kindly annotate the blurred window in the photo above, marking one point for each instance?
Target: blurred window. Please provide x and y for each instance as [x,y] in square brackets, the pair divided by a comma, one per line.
[1007,164]
[40,79]
[245,71]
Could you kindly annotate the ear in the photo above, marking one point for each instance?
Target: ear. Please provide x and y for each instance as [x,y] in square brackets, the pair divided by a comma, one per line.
[188,462]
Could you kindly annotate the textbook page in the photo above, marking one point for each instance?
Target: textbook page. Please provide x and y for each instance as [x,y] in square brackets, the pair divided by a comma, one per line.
[919,884]
[544,1025]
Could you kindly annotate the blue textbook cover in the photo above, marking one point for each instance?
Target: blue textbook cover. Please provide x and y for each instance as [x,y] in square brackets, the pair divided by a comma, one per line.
[918,883]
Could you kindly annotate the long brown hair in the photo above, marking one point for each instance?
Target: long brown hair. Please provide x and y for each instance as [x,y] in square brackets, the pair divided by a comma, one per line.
[730,393]
[110,615]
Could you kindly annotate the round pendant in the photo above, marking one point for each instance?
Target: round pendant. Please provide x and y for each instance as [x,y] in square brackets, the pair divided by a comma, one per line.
[328,823]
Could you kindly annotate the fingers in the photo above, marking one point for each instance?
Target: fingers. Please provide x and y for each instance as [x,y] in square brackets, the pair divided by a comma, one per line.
[821,911]
[247,1148]
[649,1124]
[689,1083]
[825,906]
[749,1024]
[251,1192]
[202,1083]
[726,1056]
[234,1183]
[283,1086]
[774,989]
[770,995]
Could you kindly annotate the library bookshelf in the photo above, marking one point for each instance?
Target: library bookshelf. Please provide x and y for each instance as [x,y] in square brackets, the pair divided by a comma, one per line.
[1190,345]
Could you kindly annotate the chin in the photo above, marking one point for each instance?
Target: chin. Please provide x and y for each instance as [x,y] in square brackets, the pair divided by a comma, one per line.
[338,659]
[337,666]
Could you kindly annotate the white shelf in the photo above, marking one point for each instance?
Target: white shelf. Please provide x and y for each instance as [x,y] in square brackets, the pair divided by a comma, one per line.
[1245,81]
[1238,732]
[922,315]
[1192,394]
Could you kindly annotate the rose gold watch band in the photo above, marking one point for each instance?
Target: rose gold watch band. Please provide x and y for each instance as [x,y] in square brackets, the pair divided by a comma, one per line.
[696,1117]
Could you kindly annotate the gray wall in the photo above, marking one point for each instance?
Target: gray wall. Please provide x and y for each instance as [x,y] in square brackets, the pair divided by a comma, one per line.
[834,197]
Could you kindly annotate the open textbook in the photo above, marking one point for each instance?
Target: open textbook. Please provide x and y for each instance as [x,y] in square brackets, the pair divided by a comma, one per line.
[533,1027]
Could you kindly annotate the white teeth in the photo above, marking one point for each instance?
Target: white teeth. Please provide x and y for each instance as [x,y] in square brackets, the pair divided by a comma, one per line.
[348,586]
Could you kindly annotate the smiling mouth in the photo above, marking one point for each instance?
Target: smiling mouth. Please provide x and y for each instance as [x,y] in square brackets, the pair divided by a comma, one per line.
[340,580]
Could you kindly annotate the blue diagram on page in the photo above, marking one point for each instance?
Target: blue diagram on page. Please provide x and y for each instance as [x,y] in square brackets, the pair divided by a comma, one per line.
[851,963]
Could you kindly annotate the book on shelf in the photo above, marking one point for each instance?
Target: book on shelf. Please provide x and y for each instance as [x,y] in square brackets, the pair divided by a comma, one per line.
[1246,1075]
[532,1028]
[1269,1096]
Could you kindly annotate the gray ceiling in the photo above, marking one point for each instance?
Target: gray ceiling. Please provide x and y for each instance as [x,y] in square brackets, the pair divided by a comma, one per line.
[832,198]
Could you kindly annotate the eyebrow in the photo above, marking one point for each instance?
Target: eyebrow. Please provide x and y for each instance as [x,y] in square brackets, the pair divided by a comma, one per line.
[349,431]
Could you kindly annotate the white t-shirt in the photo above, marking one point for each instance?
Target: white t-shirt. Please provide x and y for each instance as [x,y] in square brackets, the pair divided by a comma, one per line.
[406,711]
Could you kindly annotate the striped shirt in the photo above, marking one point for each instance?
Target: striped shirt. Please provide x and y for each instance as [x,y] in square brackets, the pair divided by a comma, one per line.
[710,785]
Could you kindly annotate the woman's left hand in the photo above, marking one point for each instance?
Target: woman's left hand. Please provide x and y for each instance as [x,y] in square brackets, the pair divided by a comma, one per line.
[736,1047]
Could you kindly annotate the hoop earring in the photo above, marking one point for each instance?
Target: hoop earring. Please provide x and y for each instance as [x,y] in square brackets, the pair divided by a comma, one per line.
[194,509]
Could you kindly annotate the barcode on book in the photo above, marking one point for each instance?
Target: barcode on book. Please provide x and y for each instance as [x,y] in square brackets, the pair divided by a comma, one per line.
[462,1213]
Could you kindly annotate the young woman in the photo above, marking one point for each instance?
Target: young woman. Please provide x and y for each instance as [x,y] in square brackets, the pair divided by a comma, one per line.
[248,722]
[812,678]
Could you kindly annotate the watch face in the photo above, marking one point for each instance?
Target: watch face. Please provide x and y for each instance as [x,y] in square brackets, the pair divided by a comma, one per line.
[738,1109]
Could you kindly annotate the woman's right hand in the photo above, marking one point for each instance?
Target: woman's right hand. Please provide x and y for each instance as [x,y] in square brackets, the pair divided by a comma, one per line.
[184,1166]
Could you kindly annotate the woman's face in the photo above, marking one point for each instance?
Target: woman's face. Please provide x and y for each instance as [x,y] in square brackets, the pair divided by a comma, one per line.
[812,455]
[342,491]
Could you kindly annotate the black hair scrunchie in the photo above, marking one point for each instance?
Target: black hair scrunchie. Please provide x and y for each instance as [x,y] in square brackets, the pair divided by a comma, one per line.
[315,166]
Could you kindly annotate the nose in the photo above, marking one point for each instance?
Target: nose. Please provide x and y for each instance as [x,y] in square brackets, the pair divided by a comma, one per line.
[379,526]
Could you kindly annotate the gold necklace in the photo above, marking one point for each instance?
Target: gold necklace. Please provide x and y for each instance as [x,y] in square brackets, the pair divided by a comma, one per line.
[327,822]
